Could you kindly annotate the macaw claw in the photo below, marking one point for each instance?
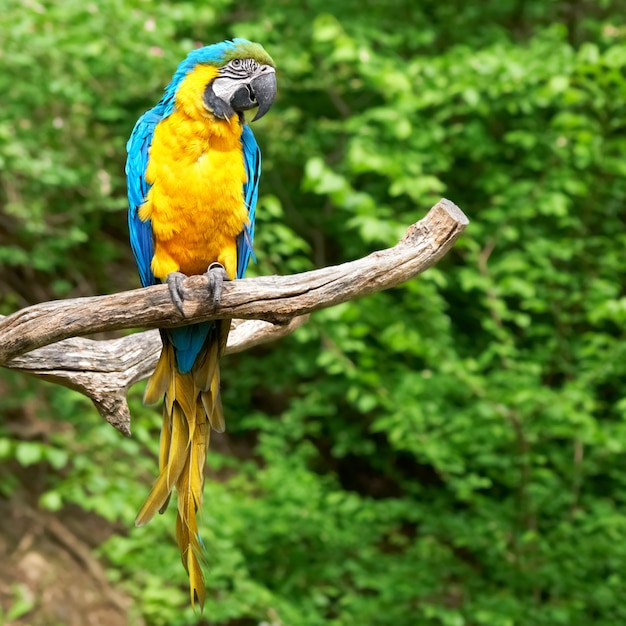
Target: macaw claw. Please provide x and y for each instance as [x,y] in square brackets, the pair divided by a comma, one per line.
[177,291]
[216,275]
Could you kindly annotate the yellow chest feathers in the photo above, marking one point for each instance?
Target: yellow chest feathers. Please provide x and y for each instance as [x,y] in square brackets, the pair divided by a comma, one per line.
[197,173]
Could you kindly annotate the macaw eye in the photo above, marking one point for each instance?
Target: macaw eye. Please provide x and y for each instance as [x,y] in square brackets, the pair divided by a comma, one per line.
[236,63]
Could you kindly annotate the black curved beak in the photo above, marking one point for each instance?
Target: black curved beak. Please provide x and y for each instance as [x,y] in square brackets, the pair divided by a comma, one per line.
[264,91]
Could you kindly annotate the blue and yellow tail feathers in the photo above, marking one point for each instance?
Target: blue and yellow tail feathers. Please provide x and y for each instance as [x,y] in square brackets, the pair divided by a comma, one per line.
[192,407]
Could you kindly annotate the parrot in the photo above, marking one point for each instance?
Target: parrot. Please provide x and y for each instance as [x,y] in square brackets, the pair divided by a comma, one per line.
[192,171]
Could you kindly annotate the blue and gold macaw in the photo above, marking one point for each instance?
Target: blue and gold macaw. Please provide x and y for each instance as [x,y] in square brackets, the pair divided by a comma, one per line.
[193,172]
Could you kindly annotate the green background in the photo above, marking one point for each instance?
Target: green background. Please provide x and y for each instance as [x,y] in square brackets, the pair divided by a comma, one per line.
[449,452]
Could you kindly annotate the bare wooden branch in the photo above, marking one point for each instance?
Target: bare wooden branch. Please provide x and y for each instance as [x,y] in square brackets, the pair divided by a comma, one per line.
[276,299]
[273,305]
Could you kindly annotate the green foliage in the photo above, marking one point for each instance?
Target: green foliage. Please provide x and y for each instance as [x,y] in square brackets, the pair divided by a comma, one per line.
[22,603]
[446,453]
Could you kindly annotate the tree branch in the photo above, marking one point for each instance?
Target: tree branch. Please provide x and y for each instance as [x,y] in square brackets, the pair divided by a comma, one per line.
[104,370]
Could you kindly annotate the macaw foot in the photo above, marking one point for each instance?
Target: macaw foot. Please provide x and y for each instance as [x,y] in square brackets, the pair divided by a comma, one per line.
[216,275]
[175,283]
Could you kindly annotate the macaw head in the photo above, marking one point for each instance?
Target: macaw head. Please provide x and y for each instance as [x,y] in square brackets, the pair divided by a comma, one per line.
[243,77]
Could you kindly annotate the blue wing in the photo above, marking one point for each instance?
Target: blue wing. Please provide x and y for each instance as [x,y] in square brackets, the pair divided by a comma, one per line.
[252,162]
[140,232]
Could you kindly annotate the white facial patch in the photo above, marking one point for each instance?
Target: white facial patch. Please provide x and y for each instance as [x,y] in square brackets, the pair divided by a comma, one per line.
[224,88]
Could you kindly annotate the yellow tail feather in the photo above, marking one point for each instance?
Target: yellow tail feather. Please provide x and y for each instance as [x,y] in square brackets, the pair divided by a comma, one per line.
[192,407]
[160,379]
[176,457]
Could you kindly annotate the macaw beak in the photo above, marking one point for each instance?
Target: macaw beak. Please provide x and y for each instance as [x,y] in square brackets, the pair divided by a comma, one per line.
[263,89]
[259,92]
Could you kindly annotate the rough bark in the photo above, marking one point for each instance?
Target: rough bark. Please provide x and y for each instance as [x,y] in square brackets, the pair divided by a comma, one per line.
[273,305]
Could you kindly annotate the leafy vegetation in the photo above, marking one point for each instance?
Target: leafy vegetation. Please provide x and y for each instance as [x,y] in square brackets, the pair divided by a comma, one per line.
[449,452]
